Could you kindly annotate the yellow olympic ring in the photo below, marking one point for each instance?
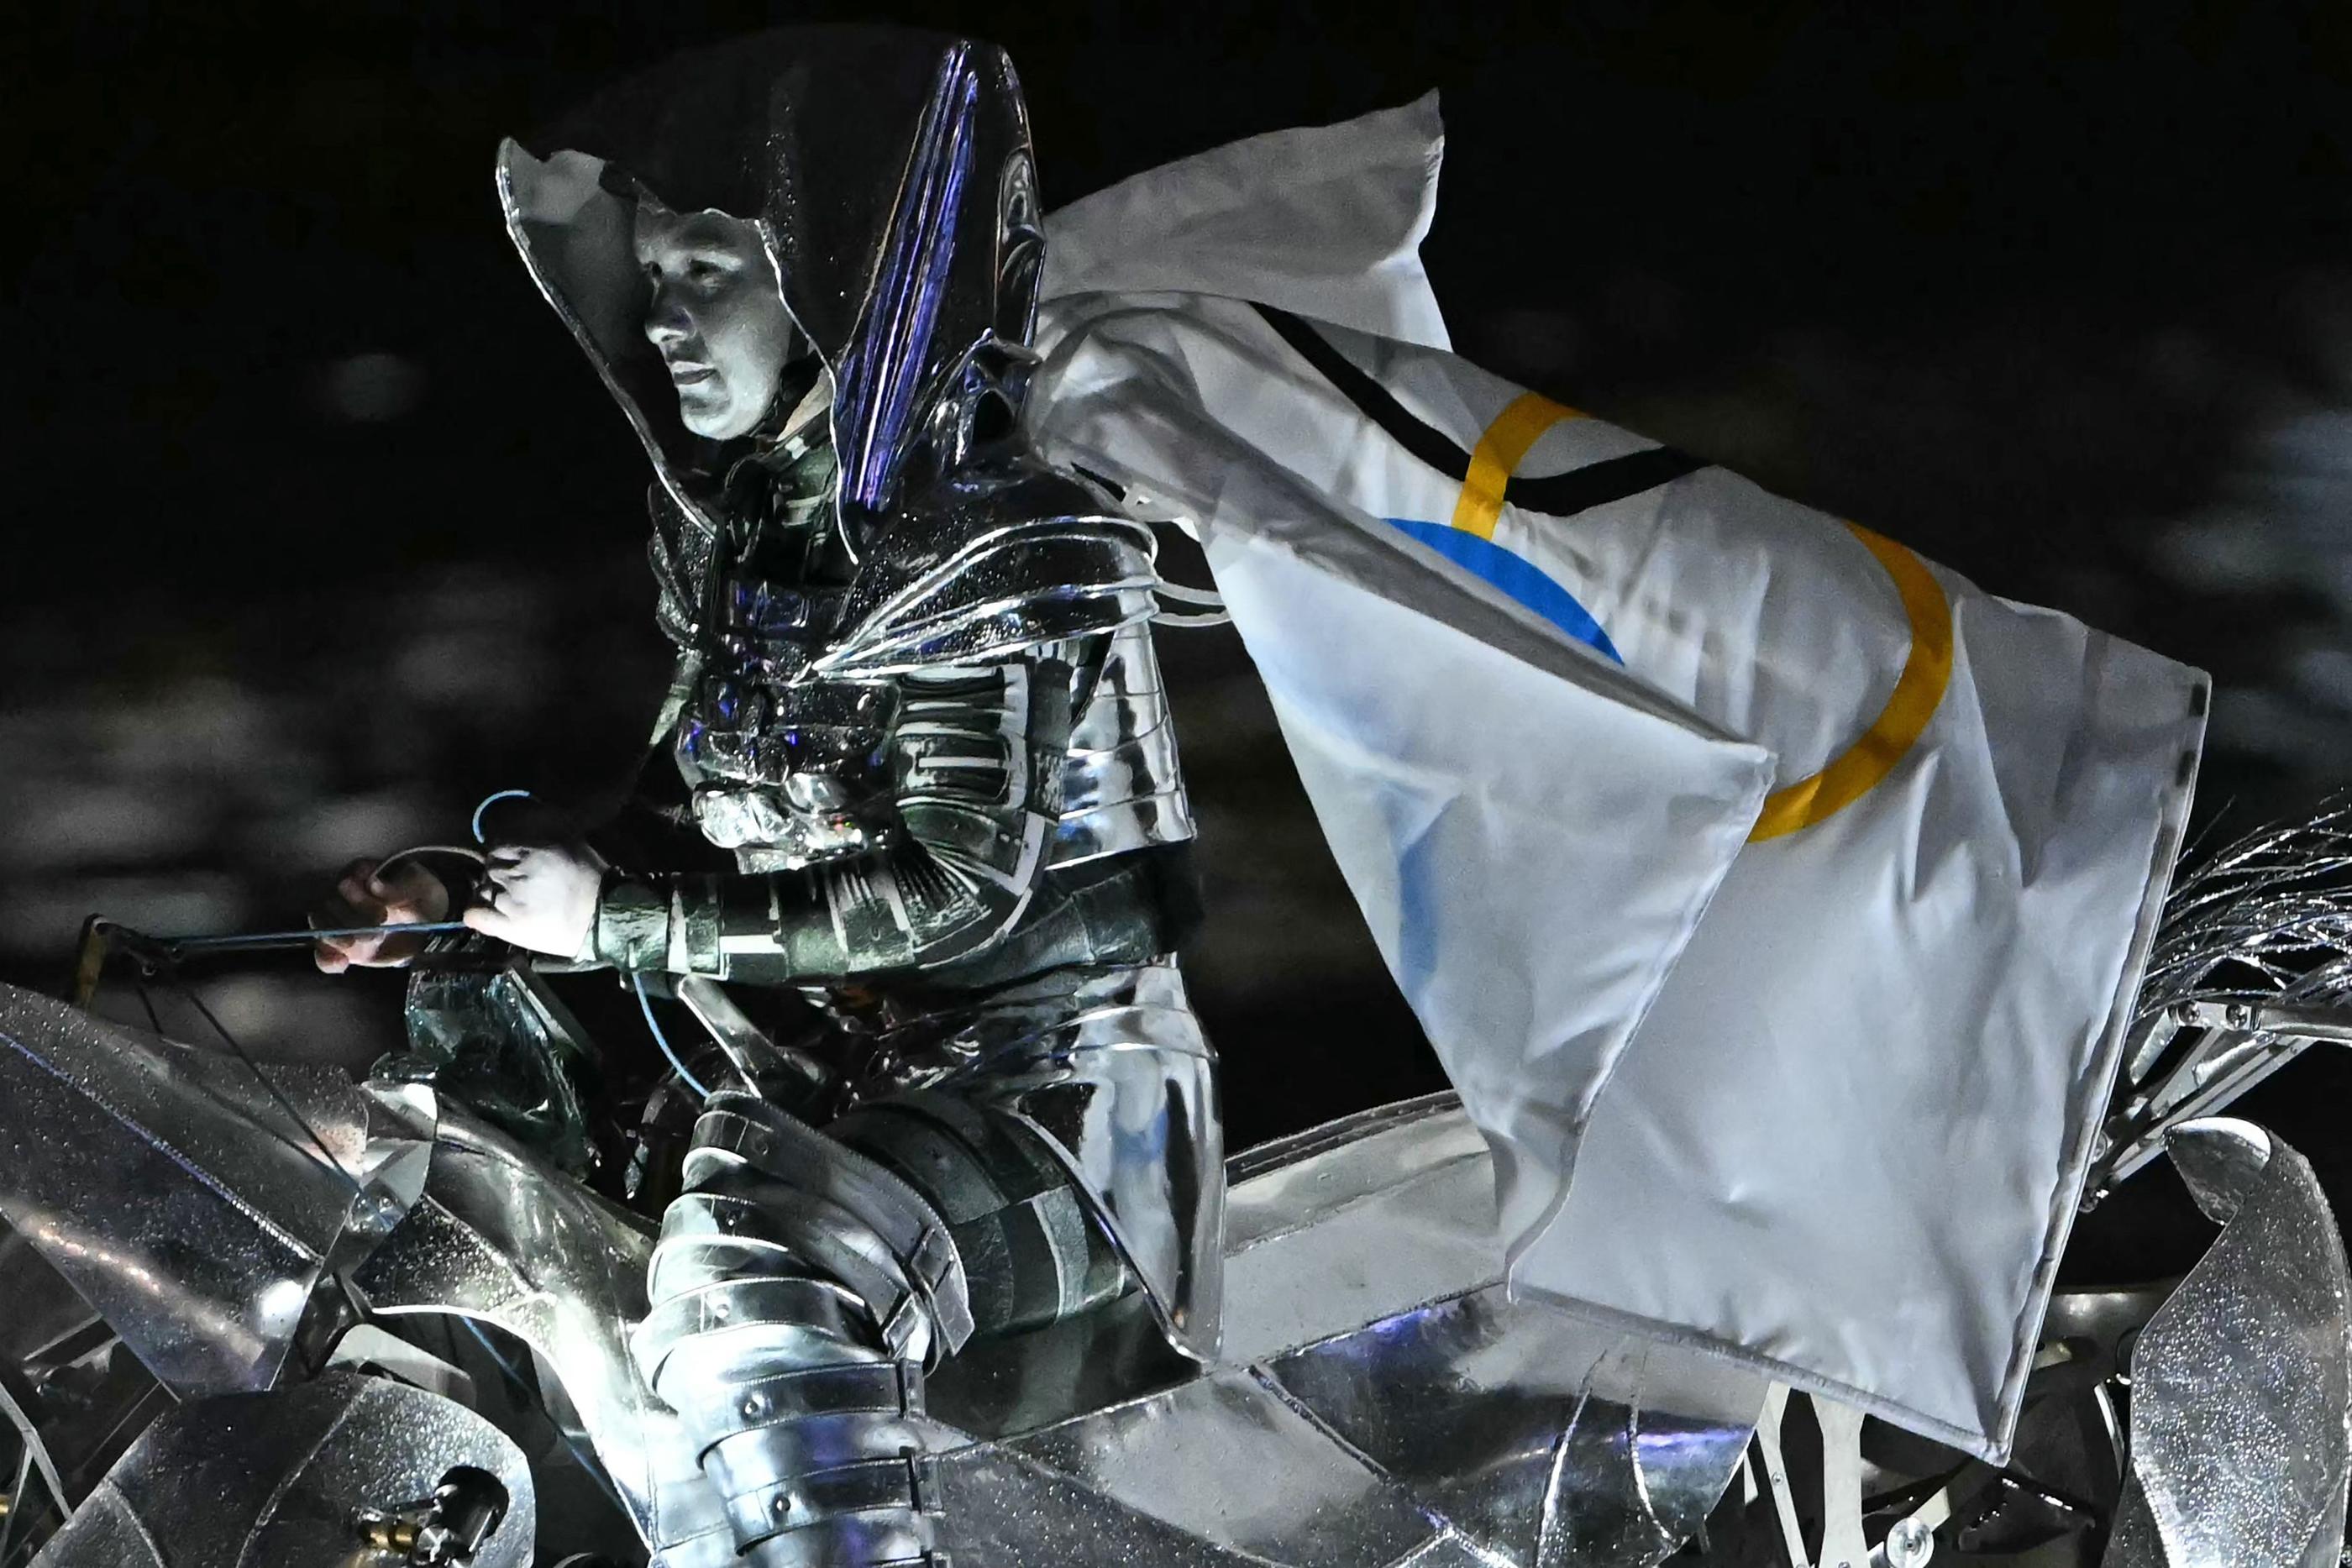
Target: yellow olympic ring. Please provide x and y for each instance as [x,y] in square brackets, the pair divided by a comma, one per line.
[1918,690]
[1497,457]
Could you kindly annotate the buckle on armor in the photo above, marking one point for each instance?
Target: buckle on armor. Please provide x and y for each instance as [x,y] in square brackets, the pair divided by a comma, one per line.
[923,1482]
[911,1386]
[909,1318]
[933,1268]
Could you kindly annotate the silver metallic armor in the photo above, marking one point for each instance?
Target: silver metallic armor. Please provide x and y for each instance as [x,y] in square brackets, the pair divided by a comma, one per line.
[1380,1398]
[917,706]
[918,1294]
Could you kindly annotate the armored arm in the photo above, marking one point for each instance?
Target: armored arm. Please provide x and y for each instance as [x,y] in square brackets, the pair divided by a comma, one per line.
[975,760]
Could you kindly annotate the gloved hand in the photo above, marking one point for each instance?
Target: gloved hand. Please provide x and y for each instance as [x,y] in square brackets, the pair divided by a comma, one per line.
[542,897]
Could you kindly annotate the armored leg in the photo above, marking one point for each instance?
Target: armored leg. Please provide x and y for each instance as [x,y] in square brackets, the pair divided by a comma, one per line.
[797,1292]
[804,1282]
[1032,1251]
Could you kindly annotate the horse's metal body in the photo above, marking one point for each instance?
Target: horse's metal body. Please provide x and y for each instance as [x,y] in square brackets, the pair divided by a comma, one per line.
[1381,1400]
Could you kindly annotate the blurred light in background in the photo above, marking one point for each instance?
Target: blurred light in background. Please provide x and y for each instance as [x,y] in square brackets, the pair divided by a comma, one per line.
[369,389]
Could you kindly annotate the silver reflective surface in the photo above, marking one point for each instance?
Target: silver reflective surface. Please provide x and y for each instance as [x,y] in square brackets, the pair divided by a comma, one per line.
[1464,1429]
[1122,787]
[2242,1384]
[275,1479]
[1007,1509]
[176,1192]
[1461,1429]
[1229,1458]
[2247,971]
[1356,1222]
[797,1292]
[1543,1439]
[1381,1400]
[500,1236]
[1109,1066]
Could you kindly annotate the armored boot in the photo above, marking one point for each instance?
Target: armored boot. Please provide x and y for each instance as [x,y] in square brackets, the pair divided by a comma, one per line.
[798,1292]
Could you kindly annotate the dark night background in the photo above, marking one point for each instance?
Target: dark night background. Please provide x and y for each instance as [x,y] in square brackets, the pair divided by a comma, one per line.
[320,528]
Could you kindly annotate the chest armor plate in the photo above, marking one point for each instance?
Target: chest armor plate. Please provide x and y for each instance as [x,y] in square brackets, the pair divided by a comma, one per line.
[787,770]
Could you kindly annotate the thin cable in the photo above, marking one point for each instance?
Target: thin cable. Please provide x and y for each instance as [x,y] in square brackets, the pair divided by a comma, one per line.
[514,1375]
[490,800]
[149,1003]
[16,1490]
[260,941]
[638,978]
[396,928]
[245,1111]
[275,1093]
[463,852]
[595,1471]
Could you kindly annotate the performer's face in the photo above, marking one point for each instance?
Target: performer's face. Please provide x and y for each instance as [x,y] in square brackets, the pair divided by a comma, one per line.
[715,316]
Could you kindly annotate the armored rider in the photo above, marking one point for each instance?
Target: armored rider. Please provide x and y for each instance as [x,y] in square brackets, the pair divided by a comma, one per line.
[915,701]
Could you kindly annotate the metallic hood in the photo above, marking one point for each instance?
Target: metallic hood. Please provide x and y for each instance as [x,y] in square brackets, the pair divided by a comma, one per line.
[889,174]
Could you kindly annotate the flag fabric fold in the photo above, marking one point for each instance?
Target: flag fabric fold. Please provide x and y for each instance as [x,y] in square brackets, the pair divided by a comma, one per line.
[1834,871]
[1405,690]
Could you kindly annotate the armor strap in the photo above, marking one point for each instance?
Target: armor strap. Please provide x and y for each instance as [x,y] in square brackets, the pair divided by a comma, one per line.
[803,1231]
[893,1387]
[811,1445]
[873,1507]
[816,1311]
[744,1128]
[632,928]
[795,1286]
[1034,1254]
